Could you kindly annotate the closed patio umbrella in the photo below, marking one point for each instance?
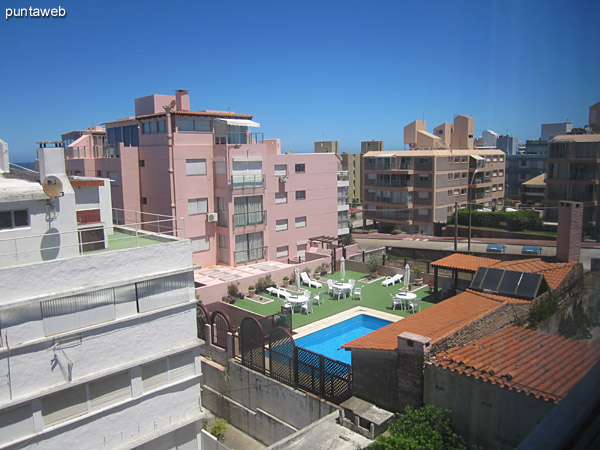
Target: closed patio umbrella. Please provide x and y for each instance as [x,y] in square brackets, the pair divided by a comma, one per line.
[406,277]
[297,278]
[342,269]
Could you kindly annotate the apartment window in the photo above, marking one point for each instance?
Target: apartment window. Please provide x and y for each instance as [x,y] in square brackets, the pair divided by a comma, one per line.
[280,197]
[495,173]
[147,128]
[223,241]
[78,311]
[114,178]
[501,173]
[144,201]
[300,222]
[64,405]
[110,390]
[194,125]
[456,175]
[450,176]
[300,168]
[197,206]
[495,158]
[423,160]
[463,175]
[282,252]
[248,211]
[464,159]
[423,177]
[463,191]
[280,170]
[488,159]
[456,192]
[522,177]
[200,244]
[14,219]
[154,375]
[222,210]
[457,159]
[165,291]
[195,166]
[449,192]
[423,194]
[161,126]
[249,247]
[142,163]
[422,211]
[500,187]
[281,225]
[300,195]
[99,173]
[501,158]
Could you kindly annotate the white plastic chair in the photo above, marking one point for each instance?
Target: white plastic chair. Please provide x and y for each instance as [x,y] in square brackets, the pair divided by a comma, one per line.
[397,302]
[286,304]
[352,283]
[330,287]
[338,291]
[319,297]
[358,292]
[307,305]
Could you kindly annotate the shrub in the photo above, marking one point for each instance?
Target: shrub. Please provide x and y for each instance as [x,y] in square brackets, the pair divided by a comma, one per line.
[263,283]
[251,287]
[418,271]
[421,429]
[219,429]
[543,309]
[373,263]
[233,291]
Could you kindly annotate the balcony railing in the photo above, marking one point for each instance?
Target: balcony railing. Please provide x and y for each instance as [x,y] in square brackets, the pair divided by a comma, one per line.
[250,255]
[400,215]
[247,182]
[249,218]
[342,175]
[239,138]
[95,152]
[389,183]
[132,229]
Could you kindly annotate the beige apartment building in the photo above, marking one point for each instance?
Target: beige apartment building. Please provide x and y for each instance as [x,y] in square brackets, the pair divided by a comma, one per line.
[412,190]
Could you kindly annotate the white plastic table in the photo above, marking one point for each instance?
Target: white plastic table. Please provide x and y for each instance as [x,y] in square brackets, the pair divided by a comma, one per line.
[405,297]
[344,287]
[297,301]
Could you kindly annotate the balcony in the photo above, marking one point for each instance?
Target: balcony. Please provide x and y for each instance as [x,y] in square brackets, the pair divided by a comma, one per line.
[130,229]
[389,215]
[389,183]
[239,138]
[248,182]
[95,152]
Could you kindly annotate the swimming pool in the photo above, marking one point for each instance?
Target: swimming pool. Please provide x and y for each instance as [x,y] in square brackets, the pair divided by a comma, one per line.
[329,340]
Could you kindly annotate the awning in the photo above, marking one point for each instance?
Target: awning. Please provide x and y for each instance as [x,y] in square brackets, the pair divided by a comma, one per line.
[477,157]
[240,122]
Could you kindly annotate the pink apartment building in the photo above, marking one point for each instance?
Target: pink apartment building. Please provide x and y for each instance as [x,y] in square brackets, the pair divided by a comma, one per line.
[241,199]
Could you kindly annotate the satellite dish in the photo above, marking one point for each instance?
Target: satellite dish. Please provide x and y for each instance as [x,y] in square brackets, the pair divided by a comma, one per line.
[53,187]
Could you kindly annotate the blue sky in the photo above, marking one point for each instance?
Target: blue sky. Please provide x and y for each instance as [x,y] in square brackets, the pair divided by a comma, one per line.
[334,70]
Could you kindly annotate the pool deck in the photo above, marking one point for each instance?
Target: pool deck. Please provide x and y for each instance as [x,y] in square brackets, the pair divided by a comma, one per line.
[340,317]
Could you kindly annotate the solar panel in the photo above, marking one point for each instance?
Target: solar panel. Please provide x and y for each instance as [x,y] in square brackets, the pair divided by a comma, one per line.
[529,285]
[509,282]
[491,280]
[478,278]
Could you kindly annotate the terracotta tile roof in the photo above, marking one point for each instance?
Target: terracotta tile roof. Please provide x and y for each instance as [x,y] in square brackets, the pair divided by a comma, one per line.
[528,361]
[461,261]
[554,273]
[224,114]
[436,322]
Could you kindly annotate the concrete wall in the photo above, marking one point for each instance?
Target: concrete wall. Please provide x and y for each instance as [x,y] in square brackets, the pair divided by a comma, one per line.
[256,404]
[484,413]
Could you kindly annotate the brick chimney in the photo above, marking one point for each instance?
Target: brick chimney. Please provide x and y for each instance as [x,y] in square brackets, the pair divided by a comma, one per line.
[182,100]
[568,237]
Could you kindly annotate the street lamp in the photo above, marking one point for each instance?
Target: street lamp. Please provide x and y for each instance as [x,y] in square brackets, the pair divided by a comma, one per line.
[471,207]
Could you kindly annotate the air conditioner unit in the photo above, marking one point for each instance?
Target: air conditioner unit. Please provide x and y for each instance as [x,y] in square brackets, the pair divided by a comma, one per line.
[212,217]
[283,178]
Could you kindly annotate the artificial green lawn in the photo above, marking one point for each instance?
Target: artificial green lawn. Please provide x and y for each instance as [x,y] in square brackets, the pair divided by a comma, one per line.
[374,296]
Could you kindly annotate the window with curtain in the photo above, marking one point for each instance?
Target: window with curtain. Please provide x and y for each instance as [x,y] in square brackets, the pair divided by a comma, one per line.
[249,247]
[195,166]
[300,222]
[280,197]
[281,225]
[247,173]
[248,210]
[222,210]
[197,206]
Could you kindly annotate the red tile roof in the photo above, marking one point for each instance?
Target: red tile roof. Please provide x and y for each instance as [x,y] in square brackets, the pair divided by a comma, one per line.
[436,322]
[224,114]
[464,262]
[528,361]
[554,273]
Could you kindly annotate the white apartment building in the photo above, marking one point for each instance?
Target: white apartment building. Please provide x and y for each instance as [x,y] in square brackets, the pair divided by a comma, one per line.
[98,345]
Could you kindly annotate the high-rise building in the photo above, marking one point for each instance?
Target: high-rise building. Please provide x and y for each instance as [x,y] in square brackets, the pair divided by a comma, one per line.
[371,146]
[98,344]
[412,190]
[573,173]
[549,130]
[595,118]
[508,144]
[241,199]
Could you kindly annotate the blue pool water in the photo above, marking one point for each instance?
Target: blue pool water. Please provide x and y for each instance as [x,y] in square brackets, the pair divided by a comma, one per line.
[329,340]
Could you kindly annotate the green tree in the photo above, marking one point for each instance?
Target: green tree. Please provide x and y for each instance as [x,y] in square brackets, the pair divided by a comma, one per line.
[426,428]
